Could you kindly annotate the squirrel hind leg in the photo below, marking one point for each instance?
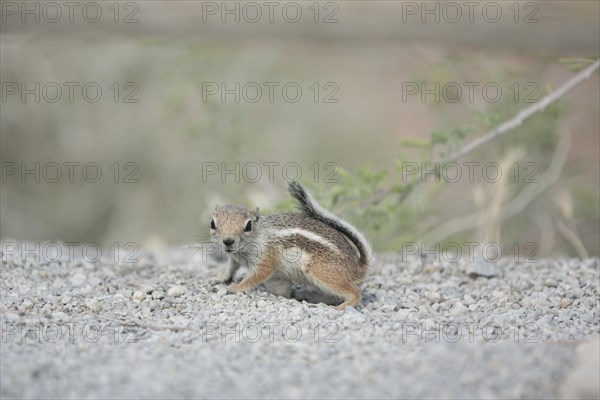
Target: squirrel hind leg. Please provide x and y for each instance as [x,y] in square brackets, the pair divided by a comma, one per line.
[352,297]
[336,280]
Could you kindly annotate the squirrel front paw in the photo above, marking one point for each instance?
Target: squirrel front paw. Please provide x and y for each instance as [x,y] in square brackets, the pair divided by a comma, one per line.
[222,279]
[234,288]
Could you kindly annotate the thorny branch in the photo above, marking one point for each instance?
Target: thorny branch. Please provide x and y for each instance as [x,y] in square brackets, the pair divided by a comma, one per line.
[501,129]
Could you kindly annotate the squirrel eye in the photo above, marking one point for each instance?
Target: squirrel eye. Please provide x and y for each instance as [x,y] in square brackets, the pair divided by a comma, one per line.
[248,227]
[212,224]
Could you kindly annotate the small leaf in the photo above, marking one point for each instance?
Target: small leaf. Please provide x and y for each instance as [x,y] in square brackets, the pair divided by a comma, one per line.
[438,137]
[414,142]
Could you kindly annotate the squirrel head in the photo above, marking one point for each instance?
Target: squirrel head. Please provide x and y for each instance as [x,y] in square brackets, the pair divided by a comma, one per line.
[232,226]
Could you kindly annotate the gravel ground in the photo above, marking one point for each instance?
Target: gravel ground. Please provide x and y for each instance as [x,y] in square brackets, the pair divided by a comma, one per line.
[157,328]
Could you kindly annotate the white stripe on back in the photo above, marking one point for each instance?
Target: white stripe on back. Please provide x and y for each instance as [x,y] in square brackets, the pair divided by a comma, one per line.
[309,235]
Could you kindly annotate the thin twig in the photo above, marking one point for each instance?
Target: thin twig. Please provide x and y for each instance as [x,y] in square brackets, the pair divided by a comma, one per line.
[499,130]
[525,113]
[517,204]
[570,234]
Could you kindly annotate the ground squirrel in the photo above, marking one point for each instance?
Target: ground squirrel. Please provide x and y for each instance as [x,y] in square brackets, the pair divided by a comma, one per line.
[311,247]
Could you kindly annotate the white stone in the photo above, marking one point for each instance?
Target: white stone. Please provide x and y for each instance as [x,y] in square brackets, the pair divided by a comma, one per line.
[177,291]
[138,295]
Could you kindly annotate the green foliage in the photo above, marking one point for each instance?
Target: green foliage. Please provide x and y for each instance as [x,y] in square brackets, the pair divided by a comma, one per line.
[576,64]
[391,210]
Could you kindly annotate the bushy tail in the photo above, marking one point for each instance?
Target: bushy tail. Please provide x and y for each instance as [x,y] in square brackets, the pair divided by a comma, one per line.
[313,209]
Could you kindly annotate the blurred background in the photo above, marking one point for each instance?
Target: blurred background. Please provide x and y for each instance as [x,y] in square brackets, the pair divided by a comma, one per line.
[128,121]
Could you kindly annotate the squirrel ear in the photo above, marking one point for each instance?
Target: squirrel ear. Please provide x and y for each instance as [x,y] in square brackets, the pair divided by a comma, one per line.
[257,213]
[216,207]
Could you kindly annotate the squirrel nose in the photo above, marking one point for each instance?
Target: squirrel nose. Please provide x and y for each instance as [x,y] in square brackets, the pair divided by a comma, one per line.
[228,241]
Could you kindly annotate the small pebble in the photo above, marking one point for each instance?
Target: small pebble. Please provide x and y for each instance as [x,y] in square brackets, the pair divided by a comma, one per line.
[93,305]
[146,289]
[565,302]
[138,295]
[158,294]
[177,291]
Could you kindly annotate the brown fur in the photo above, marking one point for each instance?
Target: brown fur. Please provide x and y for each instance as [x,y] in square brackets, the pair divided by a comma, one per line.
[291,247]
